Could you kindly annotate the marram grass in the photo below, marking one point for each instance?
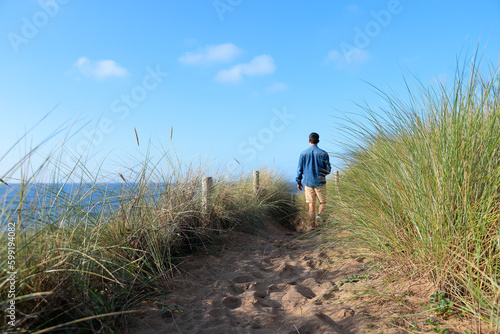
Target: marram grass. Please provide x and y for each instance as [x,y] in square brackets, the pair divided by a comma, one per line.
[421,184]
[87,256]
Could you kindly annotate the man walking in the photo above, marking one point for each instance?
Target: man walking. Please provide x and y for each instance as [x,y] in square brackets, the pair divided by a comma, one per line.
[314,166]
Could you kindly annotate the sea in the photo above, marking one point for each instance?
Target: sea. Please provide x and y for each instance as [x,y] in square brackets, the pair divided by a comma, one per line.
[53,204]
[56,204]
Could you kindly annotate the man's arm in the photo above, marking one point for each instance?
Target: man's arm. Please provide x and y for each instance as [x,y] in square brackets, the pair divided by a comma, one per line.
[328,166]
[300,172]
[324,166]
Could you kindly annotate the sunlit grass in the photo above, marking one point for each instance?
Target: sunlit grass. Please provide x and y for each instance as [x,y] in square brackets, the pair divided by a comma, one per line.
[91,247]
[421,185]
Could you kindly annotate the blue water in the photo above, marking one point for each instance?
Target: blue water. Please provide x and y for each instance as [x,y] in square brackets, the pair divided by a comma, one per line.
[74,203]
[57,204]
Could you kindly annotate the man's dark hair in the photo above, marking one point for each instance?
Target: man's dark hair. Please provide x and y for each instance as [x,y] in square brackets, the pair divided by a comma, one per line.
[314,138]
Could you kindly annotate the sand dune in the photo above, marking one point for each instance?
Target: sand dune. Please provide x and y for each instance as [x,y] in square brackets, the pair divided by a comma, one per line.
[277,282]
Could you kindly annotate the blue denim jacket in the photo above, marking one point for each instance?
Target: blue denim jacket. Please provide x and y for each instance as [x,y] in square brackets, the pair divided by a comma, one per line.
[314,166]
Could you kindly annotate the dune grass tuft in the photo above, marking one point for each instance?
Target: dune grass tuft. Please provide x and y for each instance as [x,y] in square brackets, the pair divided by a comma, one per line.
[421,185]
[92,246]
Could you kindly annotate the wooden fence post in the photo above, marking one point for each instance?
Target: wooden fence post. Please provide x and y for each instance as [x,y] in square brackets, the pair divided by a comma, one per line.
[206,194]
[256,182]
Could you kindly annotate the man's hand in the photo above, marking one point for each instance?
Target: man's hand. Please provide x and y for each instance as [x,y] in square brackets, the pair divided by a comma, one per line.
[299,186]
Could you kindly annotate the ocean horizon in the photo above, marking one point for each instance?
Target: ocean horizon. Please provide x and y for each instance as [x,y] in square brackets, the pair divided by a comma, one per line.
[50,203]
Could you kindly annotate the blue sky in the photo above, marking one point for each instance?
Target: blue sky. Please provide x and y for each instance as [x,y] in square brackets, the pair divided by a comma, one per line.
[235,79]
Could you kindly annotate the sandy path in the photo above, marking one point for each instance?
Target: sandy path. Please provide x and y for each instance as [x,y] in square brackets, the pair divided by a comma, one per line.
[274,282]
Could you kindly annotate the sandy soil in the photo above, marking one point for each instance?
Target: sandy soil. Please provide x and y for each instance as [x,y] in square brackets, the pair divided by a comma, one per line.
[279,281]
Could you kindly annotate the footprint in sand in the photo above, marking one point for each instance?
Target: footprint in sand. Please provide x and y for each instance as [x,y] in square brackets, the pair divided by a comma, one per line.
[262,267]
[289,271]
[308,328]
[261,298]
[305,291]
[320,274]
[231,302]
[314,263]
[243,279]
[231,287]
[276,288]
[258,275]
[237,289]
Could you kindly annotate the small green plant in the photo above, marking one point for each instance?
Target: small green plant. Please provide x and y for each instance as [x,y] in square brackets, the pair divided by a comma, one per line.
[402,301]
[432,322]
[408,293]
[355,278]
[168,310]
[415,327]
[352,279]
[442,305]
[439,330]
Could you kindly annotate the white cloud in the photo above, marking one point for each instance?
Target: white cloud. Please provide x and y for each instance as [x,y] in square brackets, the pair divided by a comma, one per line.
[277,87]
[211,54]
[100,69]
[259,65]
[349,58]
